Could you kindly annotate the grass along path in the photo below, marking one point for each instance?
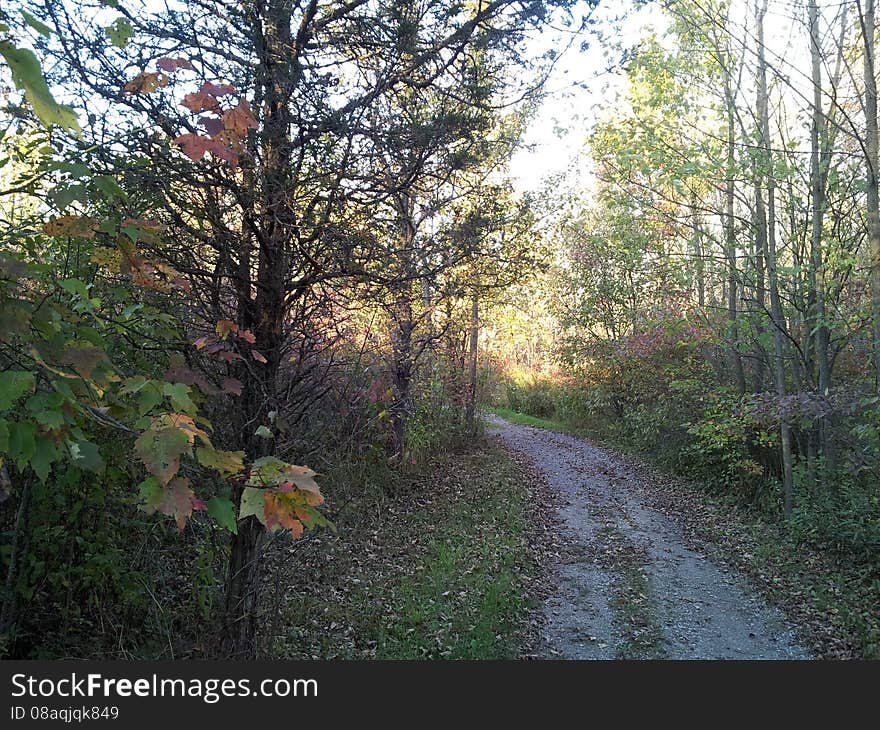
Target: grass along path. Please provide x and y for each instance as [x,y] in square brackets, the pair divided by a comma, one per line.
[440,570]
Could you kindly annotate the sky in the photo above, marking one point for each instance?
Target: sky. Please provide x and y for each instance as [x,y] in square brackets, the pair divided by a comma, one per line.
[582,83]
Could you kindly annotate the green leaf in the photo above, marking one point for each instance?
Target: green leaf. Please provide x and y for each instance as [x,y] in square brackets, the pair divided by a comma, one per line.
[64,195]
[178,393]
[228,463]
[264,432]
[150,492]
[86,456]
[21,442]
[160,449]
[253,503]
[13,385]
[41,28]
[45,453]
[268,471]
[4,436]
[119,31]
[28,76]
[222,510]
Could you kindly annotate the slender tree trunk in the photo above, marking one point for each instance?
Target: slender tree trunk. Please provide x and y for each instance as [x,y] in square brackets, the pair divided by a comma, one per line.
[730,236]
[819,163]
[403,324]
[471,405]
[771,254]
[760,224]
[873,194]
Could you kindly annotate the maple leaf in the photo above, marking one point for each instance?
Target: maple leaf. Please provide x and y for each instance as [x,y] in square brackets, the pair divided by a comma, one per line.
[280,512]
[172,64]
[228,463]
[217,89]
[180,373]
[107,258]
[176,499]
[232,386]
[212,126]
[146,82]
[198,101]
[83,359]
[160,448]
[225,326]
[252,504]
[188,425]
[71,225]
[303,478]
[222,510]
[223,151]
[240,119]
[193,146]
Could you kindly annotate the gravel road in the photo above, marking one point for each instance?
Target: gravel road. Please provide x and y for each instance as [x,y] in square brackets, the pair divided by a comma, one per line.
[628,587]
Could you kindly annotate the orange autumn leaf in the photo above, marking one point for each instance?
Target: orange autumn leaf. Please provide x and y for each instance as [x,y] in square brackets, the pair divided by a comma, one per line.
[71,225]
[146,82]
[240,119]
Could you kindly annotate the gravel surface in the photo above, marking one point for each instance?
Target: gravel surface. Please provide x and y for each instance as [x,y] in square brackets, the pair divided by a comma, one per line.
[628,586]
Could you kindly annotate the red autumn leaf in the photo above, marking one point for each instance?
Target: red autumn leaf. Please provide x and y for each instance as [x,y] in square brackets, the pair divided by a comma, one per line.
[212,126]
[223,151]
[194,146]
[240,119]
[232,386]
[179,373]
[199,102]
[217,89]
[172,64]
[177,501]
[258,356]
[247,336]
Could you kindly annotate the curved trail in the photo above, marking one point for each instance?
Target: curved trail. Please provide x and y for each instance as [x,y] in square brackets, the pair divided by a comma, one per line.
[629,587]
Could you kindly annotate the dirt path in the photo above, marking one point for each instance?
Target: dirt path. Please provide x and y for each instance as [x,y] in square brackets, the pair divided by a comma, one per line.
[628,587]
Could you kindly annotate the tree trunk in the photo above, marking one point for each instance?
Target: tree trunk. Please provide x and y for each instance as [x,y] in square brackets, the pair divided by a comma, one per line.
[873,194]
[403,326]
[471,405]
[819,163]
[730,236]
[771,253]
[264,313]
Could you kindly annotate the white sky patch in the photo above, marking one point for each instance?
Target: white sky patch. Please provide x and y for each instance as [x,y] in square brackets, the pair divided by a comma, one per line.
[586,82]
[581,85]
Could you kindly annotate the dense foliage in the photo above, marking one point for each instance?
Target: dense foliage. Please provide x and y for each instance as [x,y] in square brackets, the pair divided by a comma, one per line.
[236,238]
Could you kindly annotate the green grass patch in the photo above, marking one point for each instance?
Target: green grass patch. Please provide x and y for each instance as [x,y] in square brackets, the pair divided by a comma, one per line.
[526,420]
[440,571]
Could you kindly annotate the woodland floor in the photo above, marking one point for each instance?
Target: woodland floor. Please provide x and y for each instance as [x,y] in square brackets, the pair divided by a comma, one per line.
[628,582]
